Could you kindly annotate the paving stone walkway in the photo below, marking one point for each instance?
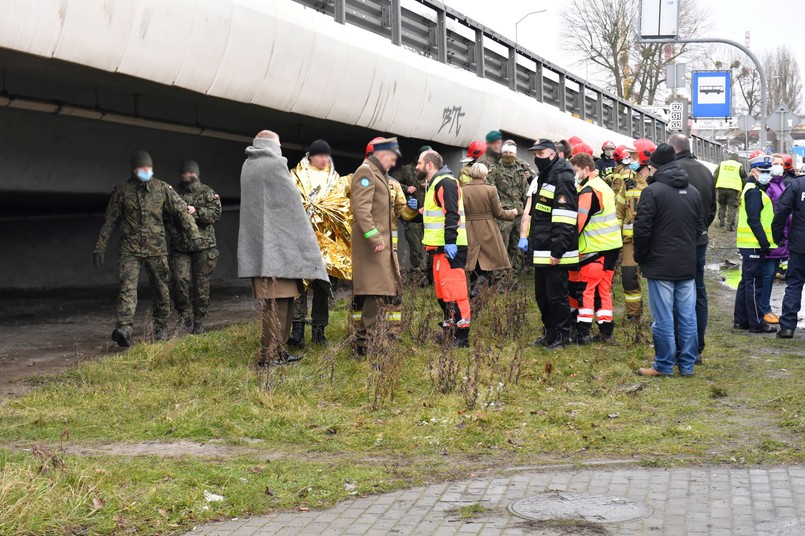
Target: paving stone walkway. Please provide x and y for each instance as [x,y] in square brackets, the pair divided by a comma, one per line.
[712,501]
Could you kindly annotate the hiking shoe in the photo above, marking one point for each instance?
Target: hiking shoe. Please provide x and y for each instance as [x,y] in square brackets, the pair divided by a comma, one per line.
[771,318]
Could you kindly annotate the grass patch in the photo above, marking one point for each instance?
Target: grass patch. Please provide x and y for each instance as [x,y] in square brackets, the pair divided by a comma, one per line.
[330,436]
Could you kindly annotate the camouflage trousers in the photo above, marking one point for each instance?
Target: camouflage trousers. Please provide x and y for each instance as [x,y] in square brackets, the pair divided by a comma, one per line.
[129,274]
[192,273]
[510,231]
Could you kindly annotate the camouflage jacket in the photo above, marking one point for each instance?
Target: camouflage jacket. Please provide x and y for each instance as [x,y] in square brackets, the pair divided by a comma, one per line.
[489,159]
[208,211]
[511,177]
[140,208]
[407,176]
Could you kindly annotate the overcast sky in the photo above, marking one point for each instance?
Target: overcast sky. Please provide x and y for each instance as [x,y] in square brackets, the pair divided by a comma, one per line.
[730,19]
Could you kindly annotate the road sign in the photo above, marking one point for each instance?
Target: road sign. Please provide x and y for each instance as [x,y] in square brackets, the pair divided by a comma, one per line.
[783,116]
[659,19]
[746,123]
[675,122]
[675,75]
[711,94]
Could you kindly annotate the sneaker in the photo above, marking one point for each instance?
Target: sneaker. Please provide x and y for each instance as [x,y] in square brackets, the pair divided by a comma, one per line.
[771,318]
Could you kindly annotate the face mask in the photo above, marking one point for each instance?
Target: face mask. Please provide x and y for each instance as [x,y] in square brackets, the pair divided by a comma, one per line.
[608,153]
[635,166]
[542,163]
[764,178]
[145,176]
[626,161]
[777,170]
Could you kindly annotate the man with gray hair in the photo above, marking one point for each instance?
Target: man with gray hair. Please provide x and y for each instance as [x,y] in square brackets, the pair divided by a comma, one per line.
[701,179]
[277,247]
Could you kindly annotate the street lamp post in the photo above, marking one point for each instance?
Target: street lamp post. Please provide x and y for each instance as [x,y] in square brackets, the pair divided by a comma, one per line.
[516,24]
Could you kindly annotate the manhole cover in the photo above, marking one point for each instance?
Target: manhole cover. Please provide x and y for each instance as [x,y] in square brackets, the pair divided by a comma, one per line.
[568,505]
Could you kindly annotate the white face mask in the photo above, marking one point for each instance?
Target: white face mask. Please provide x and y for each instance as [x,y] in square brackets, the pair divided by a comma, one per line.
[626,161]
[777,170]
[764,178]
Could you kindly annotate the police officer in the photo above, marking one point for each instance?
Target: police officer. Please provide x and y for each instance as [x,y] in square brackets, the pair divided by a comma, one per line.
[791,204]
[413,189]
[549,231]
[192,262]
[511,178]
[140,205]
[729,177]
[755,214]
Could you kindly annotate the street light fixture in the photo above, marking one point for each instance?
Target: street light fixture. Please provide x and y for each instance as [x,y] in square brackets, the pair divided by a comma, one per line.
[516,24]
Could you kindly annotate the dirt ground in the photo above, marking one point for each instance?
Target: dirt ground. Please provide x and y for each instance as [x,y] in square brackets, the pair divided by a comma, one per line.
[45,331]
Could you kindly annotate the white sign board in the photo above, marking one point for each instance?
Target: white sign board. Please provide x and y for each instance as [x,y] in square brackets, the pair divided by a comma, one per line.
[659,19]
[675,123]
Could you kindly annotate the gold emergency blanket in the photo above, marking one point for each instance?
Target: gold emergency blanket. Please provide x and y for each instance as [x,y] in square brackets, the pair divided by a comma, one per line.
[327,205]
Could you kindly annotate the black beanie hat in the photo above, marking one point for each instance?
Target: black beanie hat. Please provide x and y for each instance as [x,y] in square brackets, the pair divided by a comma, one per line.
[190,166]
[664,154]
[141,159]
[319,147]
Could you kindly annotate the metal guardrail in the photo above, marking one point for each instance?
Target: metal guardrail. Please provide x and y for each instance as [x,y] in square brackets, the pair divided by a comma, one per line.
[542,80]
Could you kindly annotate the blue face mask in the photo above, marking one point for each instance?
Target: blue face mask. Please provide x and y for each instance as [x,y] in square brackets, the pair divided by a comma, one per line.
[635,166]
[145,176]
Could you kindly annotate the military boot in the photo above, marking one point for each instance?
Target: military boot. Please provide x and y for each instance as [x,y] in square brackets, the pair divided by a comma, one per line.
[561,340]
[546,339]
[160,333]
[318,336]
[185,323]
[582,335]
[122,337]
[198,328]
[297,338]
[462,334]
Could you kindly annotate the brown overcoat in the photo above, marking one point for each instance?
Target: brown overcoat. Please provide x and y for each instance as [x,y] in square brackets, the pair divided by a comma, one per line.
[373,274]
[481,207]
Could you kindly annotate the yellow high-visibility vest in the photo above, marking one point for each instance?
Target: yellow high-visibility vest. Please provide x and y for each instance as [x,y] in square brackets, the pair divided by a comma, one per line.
[433,216]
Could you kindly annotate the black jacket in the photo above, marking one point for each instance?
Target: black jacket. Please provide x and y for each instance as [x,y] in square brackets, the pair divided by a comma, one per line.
[791,203]
[701,178]
[605,165]
[556,191]
[668,224]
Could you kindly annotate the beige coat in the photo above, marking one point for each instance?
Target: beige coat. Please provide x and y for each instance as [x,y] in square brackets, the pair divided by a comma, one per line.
[373,274]
[481,207]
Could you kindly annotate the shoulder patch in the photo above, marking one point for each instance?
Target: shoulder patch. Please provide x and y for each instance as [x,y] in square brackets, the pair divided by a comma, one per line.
[216,196]
[364,182]
[562,200]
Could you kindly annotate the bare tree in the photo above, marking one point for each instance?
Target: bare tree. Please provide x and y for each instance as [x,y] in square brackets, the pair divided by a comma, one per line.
[785,81]
[605,33]
[745,78]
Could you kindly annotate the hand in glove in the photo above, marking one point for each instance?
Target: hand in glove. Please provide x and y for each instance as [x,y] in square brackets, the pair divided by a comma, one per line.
[413,204]
[98,260]
[451,250]
[522,245]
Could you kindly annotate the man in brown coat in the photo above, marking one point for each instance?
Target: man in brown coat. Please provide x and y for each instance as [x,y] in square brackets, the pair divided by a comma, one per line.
[375,273]
[482,206]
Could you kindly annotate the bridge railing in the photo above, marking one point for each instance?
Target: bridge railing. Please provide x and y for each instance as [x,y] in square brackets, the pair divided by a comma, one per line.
[469,45]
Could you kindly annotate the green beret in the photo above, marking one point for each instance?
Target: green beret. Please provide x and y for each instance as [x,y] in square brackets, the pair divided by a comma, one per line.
[494,136]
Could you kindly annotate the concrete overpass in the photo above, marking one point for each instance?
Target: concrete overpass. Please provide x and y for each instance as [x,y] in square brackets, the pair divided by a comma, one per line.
[86,82]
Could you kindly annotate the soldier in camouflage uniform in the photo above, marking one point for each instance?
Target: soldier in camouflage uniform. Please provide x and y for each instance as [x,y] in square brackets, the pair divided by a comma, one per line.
[491,156]
[512,178]
[140,205]
[412,186]
[192,262]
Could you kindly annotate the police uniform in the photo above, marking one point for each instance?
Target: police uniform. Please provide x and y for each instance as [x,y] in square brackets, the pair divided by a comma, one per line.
[791,205]
[754,241]
[193,262]
[729,183]
[140,207]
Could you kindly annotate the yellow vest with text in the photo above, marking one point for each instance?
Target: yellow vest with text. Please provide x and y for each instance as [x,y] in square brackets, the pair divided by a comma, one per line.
[746,238]
[729,175]
[603,231]
[433,216]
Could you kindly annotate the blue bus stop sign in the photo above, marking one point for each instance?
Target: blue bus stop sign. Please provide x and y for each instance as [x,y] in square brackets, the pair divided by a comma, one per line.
[710,94]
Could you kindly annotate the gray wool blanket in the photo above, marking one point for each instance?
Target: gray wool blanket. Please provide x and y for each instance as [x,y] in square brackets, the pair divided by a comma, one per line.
[275,238]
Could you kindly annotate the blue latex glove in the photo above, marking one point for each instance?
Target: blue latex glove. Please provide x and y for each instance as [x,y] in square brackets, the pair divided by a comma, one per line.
[451,250]
[412,204]
[522,245]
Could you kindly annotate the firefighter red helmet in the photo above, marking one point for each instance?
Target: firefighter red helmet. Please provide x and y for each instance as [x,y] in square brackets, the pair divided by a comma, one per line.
[644,149]
[475,150]
[788,162]
[575,140]
[582,148]
[370,147]
[621,152]
[755,154]
[607,144]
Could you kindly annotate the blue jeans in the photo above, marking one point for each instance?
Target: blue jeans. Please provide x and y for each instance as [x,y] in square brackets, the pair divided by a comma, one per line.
[673,302]
[701,295]
[769,271]
[794,279]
